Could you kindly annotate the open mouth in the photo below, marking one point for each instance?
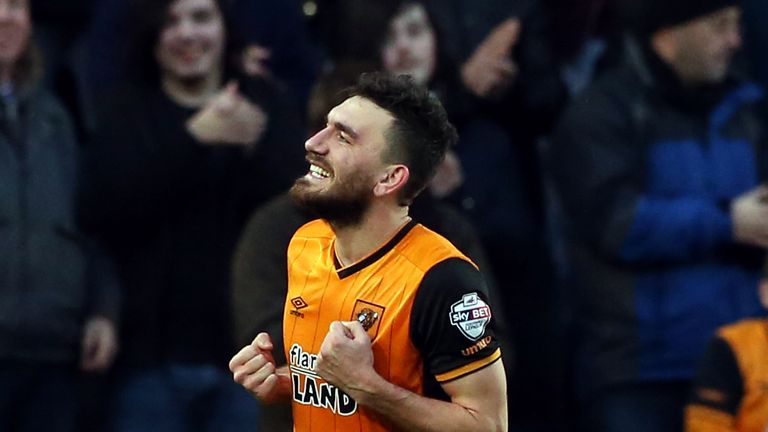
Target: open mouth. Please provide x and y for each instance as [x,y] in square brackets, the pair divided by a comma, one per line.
[189,53]
[317,172]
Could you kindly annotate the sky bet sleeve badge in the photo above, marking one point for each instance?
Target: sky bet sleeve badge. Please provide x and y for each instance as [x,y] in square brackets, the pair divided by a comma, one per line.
[471,315]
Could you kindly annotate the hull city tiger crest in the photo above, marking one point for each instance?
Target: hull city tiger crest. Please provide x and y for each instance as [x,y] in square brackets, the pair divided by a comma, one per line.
[471,315]
[369,315]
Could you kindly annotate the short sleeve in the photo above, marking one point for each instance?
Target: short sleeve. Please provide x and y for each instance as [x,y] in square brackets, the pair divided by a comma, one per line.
[717,391]
[452,322]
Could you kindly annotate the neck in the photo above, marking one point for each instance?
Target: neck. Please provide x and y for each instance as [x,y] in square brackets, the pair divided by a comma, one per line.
[192,93]
[6,74]
[354,243]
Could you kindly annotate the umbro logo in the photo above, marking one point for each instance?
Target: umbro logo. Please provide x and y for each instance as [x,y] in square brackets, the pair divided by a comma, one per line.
[298,303]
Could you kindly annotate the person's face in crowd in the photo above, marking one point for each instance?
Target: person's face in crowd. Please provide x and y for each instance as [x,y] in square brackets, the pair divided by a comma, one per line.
[411,45]
[191,42]
[345,162]
[15,27]
[762,291]
[706,46]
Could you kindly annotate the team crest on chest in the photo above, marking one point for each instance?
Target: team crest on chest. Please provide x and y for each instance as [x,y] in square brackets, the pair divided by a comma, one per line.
[471,315]
[369,315]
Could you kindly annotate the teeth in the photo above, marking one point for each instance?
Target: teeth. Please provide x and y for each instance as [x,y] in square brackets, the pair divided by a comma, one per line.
[319,171]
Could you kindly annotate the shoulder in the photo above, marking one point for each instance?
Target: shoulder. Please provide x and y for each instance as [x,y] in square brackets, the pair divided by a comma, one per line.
[47,105]
[49,116]
[312,236]
[317,228]
[745,332]
[425,248]
[609,97]
[454,278]
[122,108]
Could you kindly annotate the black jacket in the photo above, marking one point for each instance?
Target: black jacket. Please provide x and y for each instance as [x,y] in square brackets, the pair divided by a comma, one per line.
[171,211]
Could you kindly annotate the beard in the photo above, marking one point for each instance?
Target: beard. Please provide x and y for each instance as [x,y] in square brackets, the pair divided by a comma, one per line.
[343,205]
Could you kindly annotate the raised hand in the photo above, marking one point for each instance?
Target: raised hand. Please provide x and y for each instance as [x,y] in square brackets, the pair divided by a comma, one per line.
[346,358]
[749,213]
[490,71]
[229,118]
[254,368]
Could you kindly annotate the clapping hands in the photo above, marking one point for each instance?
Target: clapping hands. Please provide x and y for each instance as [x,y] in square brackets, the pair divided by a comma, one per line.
[228,118]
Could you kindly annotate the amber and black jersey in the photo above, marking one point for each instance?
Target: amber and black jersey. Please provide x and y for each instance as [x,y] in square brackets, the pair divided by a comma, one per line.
[731,390]
[423,303]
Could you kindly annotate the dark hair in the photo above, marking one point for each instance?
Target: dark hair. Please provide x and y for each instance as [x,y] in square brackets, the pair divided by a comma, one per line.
[421,132]
[150,17]
[443,62]
[648,16]
[28,69]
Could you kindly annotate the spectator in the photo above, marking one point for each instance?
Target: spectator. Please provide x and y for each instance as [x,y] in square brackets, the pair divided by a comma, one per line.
[179,160]
[657,168]
[728,393]
[259,284]
[416,44]
[272,35]
[58,301]
[501,99]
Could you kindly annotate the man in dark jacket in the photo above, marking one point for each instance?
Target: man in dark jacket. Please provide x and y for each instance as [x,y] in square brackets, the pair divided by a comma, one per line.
[657,166]
[756,41]
[57,313]
[179,159]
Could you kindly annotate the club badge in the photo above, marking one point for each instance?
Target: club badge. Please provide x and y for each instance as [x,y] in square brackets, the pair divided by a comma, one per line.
[369,315]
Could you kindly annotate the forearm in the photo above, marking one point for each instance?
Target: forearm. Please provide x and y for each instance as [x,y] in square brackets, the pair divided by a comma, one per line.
[409,411]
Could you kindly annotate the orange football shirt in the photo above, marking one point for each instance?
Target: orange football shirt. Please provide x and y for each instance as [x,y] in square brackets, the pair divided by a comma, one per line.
[422,302]
[731,392]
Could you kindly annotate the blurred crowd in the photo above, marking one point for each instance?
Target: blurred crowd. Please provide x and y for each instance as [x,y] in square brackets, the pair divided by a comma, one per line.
[609,181]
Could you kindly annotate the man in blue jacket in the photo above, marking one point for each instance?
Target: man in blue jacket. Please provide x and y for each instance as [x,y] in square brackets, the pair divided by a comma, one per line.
[658,169]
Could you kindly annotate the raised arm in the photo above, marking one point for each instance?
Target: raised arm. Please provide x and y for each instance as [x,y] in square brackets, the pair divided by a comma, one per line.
[477,401]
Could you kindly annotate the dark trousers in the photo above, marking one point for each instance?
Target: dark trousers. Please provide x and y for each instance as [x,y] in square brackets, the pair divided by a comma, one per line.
[37,397]
[182,398]
[646,407]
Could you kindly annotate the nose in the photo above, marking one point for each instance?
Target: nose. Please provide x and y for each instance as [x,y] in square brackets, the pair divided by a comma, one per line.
[402,45]
[317,143]
[185,28]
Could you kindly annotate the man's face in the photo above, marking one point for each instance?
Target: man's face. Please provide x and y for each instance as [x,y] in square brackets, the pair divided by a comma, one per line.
[345,163]
[706,46]
[15,26]
[411,47]
[191,42]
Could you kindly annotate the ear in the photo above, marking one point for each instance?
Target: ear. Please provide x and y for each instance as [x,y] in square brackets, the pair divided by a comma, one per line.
[394,178]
